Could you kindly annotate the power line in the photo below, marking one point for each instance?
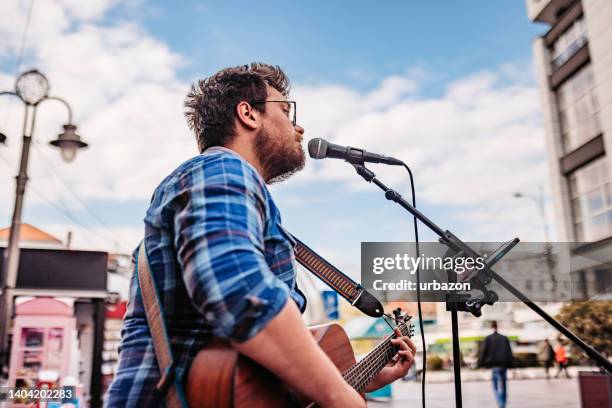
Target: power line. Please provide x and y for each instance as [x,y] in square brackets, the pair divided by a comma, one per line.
[6,161]
[24,36]
[64,211]
[50,169]
[64,208]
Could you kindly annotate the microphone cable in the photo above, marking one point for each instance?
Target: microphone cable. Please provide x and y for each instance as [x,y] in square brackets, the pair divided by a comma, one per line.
[418,291]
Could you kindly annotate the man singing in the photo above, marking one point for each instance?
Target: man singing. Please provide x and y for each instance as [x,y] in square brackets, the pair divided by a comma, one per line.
[222,262]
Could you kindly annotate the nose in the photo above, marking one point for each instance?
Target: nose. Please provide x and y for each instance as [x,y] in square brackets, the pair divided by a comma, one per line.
[299,129]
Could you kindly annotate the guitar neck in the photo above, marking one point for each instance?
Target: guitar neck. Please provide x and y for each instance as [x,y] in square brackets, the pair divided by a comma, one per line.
[362,372]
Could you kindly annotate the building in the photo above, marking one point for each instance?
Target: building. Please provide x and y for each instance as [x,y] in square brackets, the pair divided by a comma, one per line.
[31,237]
[574,66]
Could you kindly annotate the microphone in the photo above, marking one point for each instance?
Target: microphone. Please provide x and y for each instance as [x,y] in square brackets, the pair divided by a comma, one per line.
[320,149]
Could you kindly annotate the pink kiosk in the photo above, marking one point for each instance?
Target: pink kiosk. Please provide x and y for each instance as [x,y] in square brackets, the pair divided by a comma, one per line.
[44,349]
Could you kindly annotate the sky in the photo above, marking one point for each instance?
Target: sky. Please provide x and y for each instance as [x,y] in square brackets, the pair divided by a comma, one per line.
[448,87]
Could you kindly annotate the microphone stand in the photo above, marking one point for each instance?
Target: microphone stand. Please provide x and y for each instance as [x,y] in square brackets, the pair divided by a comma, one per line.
[455,303]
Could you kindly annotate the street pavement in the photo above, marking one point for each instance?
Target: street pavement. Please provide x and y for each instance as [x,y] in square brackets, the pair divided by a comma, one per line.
[540,393]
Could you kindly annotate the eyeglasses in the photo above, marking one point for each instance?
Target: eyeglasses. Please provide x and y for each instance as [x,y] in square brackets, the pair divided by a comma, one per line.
[291,112]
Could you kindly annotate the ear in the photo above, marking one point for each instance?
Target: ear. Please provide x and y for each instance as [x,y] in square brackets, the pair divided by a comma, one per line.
[247,116]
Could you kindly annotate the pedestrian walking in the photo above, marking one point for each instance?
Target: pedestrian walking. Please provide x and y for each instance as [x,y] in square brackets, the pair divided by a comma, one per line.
[547,356]
[562,361]
[497,354]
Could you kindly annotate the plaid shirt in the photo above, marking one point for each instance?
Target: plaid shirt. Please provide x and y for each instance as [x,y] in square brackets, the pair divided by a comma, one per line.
[222,263]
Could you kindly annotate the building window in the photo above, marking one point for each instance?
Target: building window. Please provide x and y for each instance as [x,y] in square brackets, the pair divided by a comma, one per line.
[578,109]
[591,196]
[569,42]
[603,280]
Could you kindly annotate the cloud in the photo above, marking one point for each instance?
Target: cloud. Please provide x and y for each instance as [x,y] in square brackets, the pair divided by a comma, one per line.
[470,148]
[477,142]
[123,87]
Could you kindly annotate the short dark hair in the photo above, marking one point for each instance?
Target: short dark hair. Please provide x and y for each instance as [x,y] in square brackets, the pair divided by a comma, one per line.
[210,104]
[494,325]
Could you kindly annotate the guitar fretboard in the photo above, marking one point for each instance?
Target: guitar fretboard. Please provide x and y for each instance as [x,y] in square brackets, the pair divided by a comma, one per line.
[362,372]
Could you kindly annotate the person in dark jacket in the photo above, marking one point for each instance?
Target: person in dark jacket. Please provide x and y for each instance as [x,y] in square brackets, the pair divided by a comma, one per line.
[496,353]
[548,356]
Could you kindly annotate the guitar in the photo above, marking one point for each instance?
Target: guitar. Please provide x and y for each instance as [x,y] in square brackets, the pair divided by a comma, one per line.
[220,377]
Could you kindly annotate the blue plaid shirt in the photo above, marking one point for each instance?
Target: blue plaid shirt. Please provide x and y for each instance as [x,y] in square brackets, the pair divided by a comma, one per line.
[222,263]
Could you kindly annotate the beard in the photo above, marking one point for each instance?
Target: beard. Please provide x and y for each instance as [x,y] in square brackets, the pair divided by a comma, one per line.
[280,158]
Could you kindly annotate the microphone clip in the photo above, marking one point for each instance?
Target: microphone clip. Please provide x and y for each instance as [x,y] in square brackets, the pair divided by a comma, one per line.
[367,174]
[355,155]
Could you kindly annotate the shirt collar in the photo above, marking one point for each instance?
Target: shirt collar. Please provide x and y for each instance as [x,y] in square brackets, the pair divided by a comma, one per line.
[222,149]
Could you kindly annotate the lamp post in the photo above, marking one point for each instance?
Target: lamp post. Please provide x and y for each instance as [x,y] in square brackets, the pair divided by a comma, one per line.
[550,262]
[539,201]
[32,88]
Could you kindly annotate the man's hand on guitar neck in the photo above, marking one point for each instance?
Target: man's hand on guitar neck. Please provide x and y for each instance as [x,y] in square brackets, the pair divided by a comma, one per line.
[398,367]
[286,347]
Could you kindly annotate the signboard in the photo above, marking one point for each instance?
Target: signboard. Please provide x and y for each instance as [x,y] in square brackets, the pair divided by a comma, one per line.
[59,269]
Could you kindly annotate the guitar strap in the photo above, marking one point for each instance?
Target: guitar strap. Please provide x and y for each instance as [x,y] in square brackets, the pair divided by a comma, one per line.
[168,384]
[313,262]
[353,292]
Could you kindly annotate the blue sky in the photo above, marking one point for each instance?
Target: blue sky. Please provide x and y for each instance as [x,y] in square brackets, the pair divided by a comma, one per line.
[322,42]
[446,87]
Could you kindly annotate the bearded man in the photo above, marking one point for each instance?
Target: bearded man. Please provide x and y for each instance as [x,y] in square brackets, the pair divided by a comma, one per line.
[223,265]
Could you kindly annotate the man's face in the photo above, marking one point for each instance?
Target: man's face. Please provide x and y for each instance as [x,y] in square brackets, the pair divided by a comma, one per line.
[279,144]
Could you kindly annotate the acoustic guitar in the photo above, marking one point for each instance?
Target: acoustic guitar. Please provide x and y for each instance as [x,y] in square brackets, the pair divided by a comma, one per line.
[220,377]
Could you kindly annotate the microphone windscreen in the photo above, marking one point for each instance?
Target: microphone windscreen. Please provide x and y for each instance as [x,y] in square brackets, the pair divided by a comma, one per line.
[317,148]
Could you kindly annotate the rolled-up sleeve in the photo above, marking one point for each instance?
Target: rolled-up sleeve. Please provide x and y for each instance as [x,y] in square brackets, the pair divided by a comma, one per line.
[219,224]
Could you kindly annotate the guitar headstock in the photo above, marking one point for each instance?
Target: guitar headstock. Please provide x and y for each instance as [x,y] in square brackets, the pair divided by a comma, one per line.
[403,322]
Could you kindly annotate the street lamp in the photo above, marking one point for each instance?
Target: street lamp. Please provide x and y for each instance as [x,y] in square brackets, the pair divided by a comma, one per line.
[68,142]
[550,263]
[32,88]
[539,201]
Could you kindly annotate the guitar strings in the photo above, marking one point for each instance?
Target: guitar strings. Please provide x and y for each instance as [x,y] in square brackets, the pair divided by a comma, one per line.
[374,354]
[374,366]
[362,372]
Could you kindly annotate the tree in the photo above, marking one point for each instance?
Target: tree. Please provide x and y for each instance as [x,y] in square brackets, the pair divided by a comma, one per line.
[591,321]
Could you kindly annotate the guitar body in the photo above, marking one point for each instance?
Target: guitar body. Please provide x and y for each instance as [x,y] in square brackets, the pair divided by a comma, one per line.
[220,377]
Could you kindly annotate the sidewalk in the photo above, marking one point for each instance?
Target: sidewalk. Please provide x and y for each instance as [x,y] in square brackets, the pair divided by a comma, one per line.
[530,373]
[554,393]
